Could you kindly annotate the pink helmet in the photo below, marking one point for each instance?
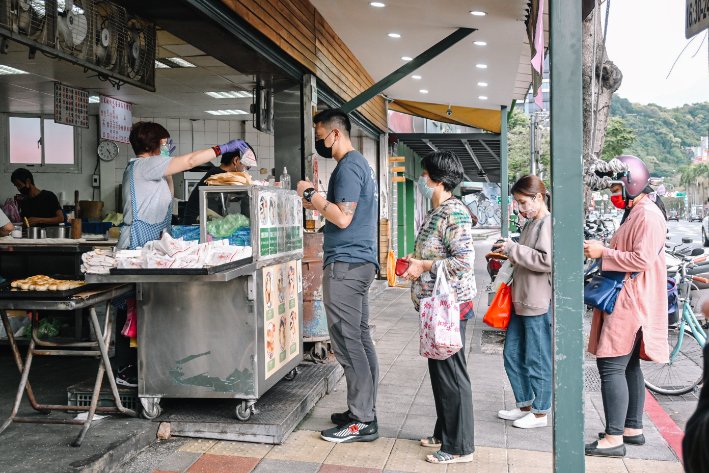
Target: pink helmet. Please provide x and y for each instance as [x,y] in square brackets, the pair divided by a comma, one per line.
[636,178]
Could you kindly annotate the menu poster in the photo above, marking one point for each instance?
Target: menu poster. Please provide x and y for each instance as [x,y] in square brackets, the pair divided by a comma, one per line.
[281,325]
[71,105]
[116,119]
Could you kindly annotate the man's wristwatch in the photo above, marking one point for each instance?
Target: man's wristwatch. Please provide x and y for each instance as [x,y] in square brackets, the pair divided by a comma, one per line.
[308,194]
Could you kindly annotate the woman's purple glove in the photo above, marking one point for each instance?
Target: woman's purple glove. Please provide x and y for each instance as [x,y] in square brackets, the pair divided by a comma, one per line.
[234,145]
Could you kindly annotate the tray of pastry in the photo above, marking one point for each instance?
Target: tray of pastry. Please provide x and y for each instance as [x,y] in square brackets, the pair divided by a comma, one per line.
[43,287]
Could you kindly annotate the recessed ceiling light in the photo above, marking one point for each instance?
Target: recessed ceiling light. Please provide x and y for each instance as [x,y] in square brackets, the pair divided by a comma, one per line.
[406,58]
[394,35]
[477,13]
[423,91]
[482,84]
[480,43]
[377,4]
[94,99]
[7,70]
[179,62]
[481,66]
[416,77]
[234,94]
[226,112]
[482,97]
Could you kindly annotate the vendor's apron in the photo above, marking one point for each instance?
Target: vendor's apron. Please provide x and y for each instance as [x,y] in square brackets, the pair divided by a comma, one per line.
[142,232]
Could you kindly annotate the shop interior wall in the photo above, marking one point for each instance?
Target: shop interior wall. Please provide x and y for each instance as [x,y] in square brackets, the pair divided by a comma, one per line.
[187,134]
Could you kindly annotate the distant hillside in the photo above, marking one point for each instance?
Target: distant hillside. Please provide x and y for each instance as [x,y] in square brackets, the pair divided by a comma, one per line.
[662,134]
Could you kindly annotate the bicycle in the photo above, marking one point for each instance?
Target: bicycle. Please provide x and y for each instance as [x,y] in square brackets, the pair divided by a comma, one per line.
[684,370]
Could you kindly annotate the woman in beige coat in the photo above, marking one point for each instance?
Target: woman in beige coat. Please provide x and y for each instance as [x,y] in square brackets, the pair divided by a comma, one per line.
[637,328]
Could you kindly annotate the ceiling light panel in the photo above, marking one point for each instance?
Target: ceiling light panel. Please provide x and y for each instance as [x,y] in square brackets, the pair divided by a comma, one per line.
[234,94]
[482,84]
[178,62]
[7,70]
[477,13]
[161,65]
[406,58]
[416,77]
[94,99]
[394,35]
[423,91]
[480,43]
[377,4]
[226,112]
[481,66]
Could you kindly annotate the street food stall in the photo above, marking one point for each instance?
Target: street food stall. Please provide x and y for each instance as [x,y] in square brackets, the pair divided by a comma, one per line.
[228,331]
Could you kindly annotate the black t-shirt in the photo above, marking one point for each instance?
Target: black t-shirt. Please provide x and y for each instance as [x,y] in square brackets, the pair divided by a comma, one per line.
[44,205]
[192,208]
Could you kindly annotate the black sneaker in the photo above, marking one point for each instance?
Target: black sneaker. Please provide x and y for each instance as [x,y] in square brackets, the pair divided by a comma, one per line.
[127,376]
[342,418]
[353,431]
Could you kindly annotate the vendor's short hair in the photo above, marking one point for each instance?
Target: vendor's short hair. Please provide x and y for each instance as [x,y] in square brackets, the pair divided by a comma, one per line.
[227,158]
[145,137]
[334,118]
[21,175]
[444,167]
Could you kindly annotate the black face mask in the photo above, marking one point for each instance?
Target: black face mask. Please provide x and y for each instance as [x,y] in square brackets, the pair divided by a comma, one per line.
[323,150]
[25,191]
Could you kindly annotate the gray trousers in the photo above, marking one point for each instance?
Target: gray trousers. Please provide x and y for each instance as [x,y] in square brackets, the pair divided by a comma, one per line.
[623,390]
[453,396]
[346,297]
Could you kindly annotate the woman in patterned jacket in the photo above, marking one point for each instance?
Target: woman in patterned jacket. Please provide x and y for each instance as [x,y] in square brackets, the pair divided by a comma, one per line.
[445,239]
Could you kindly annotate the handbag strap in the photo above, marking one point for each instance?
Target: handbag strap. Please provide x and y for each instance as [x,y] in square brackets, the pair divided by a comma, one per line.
[441,284]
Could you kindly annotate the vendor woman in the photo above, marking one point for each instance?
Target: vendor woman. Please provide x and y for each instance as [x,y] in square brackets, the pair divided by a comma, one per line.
[239,161]
[147,182]
[38,208]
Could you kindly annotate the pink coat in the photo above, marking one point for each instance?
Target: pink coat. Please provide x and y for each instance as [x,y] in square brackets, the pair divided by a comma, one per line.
[637,246]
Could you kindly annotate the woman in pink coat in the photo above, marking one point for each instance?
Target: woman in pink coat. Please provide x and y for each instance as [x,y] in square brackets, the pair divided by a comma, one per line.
[637,328]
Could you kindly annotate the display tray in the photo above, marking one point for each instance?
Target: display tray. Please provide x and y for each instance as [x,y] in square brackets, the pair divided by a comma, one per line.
[181,271]
[8,292]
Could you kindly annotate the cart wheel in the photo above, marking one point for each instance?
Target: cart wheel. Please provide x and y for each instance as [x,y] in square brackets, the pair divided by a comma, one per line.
[290,376]
[151,408]
[243,411]
[319,351]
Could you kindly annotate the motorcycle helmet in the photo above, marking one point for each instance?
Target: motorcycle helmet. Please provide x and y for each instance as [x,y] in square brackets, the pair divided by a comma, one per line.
[635,178]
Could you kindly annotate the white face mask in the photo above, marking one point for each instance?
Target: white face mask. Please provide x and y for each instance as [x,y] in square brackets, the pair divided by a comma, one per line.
[530,209]
[423,187]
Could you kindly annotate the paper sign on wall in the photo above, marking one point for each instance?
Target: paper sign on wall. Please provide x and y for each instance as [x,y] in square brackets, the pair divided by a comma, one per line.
[116,119]
[71,105]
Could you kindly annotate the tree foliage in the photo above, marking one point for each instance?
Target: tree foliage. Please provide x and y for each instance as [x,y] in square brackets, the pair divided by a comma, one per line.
[618,138]
[519,147]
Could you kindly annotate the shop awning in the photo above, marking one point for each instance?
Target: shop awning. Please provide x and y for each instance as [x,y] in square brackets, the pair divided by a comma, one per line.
[484,119]
[479,152]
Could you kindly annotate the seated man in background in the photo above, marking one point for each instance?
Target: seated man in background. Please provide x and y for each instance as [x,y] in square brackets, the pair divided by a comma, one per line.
[40,207]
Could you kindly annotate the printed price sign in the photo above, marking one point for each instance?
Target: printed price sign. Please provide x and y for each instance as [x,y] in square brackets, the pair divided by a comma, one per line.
[71,105]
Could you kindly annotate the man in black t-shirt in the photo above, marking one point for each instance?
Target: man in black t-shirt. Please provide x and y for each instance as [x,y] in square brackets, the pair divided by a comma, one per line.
[230,162]
[40,207]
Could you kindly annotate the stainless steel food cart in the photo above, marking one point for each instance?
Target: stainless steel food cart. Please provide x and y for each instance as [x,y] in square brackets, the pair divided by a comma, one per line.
[225,333]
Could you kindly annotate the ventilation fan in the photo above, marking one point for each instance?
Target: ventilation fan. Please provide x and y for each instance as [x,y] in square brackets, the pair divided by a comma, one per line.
[140,50]
[29,18]
[109,34]
[74,25]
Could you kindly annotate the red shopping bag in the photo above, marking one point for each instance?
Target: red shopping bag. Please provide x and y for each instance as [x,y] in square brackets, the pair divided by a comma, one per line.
[500,310]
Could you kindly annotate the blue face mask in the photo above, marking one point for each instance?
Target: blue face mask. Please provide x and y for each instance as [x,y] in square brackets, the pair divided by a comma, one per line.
[164,150]
[423,187]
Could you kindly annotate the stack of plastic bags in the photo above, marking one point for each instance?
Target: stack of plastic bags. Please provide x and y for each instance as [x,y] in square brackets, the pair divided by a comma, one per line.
[166,253]
[99,261]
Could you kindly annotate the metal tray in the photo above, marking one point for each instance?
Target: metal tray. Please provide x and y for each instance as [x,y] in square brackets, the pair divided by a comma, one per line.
[7,292]
[182,271]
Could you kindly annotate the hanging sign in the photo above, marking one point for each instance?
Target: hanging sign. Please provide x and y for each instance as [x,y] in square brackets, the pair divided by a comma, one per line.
[71,105]
[696,17]
[116,119]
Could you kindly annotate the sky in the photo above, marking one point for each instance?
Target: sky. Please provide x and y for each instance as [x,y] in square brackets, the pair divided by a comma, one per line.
[644,39]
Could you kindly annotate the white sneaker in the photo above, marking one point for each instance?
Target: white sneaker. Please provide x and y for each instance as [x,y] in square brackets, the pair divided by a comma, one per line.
[530,421]
[513,414]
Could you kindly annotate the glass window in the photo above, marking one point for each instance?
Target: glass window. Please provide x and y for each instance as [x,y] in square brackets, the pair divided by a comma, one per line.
[25,139]
[58,143]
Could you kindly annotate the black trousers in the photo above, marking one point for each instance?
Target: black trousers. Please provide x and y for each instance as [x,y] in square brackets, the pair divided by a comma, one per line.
[623,390]
[453,395]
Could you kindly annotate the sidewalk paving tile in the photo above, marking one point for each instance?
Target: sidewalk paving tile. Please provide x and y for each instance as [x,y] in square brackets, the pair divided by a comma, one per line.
[487,460]
[417,427]
[347,469]
[304,446]
[524,461]
[178,461]
[281,466]
[372,455]
[652,466]
[410,456]
[605,465]
[223,464]
[242,449]
[197,445]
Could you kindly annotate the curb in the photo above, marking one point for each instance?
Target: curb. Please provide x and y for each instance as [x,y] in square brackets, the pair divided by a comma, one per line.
[118,453]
